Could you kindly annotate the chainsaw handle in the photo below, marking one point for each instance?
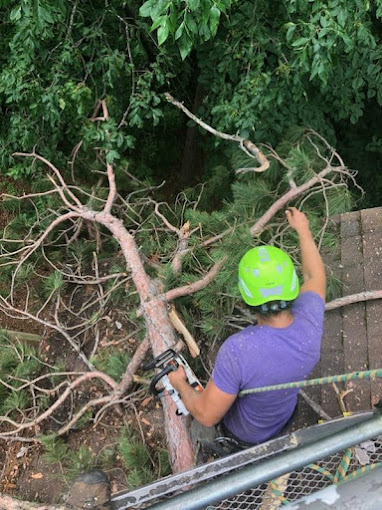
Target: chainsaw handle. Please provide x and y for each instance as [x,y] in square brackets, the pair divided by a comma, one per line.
[169,368]
[160,360]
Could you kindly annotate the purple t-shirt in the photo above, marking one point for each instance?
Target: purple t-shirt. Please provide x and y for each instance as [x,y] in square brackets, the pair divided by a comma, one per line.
[263,355]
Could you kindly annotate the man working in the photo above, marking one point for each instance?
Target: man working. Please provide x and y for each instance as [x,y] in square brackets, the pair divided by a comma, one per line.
[284,346]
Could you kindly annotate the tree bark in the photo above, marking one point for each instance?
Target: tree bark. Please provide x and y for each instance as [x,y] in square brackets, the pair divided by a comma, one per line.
[353,298]
[192,160]
[160,332]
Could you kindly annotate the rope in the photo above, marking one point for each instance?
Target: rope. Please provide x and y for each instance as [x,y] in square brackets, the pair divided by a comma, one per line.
[359,472]
[350,376]
[343,466]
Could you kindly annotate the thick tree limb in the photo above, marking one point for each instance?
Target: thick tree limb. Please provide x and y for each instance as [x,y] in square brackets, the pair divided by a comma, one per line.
[354,298]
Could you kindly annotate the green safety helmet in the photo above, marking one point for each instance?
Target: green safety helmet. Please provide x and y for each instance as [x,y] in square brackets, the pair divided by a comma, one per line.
[266,274]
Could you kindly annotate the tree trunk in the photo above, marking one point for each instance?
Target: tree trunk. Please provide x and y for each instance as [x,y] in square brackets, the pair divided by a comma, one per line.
[192,161]
[161,334]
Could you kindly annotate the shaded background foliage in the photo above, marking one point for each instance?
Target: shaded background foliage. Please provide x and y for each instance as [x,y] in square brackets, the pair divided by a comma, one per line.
[257,68]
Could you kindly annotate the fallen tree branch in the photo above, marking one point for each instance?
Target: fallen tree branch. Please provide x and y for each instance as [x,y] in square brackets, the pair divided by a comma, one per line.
[186,290]
[353,298]
[57,174]
[293,193]
[18,427]
[160,330]
[183,234]
[136,361]
[12,311]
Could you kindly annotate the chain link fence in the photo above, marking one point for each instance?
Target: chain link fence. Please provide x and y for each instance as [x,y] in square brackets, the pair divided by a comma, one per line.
[336,468]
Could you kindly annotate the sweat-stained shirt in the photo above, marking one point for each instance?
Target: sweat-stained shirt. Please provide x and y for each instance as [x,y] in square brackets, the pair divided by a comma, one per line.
[262,356]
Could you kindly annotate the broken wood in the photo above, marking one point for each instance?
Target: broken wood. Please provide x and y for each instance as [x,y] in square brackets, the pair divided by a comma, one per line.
[181,328]
[353,298]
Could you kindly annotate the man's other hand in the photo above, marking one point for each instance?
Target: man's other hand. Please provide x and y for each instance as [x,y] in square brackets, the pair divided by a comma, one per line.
[297,219]
[177,377]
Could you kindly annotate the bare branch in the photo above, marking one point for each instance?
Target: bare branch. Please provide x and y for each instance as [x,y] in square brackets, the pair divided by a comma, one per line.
[354,298]
[247,146]
[105,114]
[258,227]
[112,189]
[186,290]
[133,366]
[55,171]
[17,313]
[18,427]
[31,249]
[165,220]
[92,403]
[30,195]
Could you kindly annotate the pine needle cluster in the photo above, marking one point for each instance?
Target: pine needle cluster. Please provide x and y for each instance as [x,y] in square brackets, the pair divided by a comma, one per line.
[139,462]
[72,462]
[112,361]
[18,363]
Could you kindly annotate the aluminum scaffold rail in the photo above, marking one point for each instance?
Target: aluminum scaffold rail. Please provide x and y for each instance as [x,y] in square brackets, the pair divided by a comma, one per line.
[251,476]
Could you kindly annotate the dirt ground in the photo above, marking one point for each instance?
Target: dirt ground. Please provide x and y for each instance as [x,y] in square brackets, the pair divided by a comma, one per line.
[25,472]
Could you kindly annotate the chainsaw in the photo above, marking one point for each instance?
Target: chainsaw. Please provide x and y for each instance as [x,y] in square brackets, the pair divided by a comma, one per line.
[169,361]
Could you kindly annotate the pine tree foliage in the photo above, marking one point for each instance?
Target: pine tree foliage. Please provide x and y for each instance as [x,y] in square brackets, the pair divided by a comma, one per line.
[140,476]
[17,362]
[113,361]
[133,453]
[211,308]
[56,450]
[71,463]
[53,283]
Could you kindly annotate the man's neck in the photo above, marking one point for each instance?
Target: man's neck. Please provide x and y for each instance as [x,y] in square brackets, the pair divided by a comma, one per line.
[281,320]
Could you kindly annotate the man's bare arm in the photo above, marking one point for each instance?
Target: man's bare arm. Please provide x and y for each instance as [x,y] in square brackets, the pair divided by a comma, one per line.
[313,268]
[207,407]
